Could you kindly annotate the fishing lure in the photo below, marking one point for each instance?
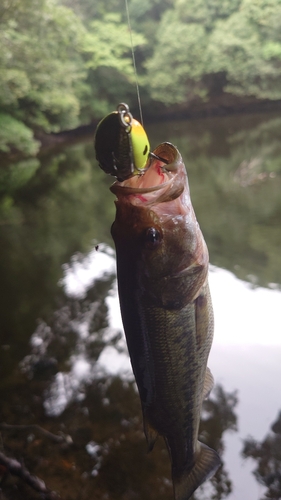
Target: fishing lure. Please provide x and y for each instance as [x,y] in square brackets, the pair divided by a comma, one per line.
[121,144]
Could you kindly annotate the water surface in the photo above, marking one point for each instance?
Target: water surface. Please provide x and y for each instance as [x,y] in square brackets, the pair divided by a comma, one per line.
[63,357]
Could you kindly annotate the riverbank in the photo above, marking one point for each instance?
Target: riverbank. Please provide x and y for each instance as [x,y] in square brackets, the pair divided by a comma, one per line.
[219,105]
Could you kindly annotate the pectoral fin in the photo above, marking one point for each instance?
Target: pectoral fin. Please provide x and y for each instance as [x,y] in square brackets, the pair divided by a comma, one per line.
[208,383]
[206,463]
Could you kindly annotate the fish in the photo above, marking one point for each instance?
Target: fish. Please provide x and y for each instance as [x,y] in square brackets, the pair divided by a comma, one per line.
[162,273]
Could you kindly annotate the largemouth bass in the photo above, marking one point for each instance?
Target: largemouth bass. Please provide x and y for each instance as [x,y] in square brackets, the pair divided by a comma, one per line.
[162,271]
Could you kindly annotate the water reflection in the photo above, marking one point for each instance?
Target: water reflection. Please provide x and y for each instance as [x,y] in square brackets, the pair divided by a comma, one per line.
[75,377]
[79,382]
[234,169]
[82,357]
[84,339]
[235,177]
[250,313]
[267,455]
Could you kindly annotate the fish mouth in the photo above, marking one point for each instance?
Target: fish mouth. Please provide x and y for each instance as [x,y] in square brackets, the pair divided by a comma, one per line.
[162,180]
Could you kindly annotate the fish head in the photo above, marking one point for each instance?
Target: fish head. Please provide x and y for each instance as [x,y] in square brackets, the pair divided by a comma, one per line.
[156,233]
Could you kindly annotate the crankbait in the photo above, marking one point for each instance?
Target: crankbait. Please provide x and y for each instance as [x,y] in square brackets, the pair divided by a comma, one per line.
[121,144]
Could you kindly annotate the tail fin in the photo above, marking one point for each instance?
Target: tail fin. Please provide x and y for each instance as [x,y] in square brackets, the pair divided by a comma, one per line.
[205,466]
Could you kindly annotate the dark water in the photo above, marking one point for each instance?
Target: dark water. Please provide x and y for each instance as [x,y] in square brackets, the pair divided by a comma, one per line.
[63,358]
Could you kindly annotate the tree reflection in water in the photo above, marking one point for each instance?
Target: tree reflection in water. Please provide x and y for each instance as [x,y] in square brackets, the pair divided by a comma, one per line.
[67,389]
[267,454]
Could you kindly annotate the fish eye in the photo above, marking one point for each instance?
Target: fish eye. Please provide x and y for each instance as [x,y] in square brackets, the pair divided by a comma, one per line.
[145,150]
[153,236]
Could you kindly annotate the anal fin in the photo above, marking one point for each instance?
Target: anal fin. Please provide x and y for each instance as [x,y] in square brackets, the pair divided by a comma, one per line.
[206,463]
[150,433]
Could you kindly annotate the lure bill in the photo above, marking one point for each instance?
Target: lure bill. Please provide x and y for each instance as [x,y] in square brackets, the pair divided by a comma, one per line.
[121,144]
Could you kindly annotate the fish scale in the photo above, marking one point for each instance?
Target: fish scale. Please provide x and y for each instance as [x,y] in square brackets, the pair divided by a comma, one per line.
[174,369]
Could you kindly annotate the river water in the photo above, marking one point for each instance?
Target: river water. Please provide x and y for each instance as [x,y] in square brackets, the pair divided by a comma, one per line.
[63,358]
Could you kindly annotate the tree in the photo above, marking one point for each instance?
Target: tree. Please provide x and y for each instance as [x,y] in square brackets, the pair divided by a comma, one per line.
[239,40]
[49,67]
[247,48]
[174,73]
[40,65]
[108,59]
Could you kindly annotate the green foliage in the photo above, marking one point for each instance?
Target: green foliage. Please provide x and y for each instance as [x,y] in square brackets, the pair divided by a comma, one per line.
[14,135]
[238,39]
[174,72]
[108,44]
[66,62]
[50,63]
[248,51]
[40,64]
[205,12]
[108,59]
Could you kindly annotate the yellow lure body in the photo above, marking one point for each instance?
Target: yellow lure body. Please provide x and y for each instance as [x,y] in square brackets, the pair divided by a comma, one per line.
[121,144]
[140,146]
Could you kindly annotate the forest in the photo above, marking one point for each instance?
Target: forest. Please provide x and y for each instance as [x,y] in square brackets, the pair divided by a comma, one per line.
[66,63]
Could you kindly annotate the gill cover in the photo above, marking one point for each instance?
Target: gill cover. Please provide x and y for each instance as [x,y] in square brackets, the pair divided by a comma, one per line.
[121,144]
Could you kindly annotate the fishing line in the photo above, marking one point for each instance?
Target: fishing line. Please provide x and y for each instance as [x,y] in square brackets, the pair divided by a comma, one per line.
[134,60]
